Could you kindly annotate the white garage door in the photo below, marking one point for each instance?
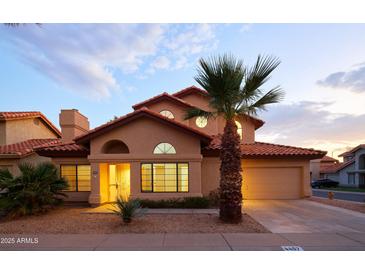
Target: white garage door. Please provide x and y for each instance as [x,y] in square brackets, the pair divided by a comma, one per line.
[267,183]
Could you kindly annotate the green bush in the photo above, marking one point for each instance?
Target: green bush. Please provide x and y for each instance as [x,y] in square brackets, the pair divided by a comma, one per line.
[187,202]
[128,209]
[36,189]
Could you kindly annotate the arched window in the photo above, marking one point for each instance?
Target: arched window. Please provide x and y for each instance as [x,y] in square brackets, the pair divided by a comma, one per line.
[201,121]
[115,147]
[164,148]
[167,114]
[239,129]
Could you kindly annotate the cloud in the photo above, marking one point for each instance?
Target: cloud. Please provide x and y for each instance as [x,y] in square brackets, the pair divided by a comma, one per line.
[245,28]
[309,124]
[353,79]
[85,58]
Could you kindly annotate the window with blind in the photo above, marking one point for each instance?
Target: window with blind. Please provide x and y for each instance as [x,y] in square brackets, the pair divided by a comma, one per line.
[165,177]
[77,176]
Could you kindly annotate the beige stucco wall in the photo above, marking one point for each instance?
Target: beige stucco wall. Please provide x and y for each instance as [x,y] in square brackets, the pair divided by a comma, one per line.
[25,129]
[141,136]
[298,170]
[2,133]
[12,163]
[214,125]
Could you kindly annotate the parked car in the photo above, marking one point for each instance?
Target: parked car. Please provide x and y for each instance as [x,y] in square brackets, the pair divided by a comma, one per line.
[324,183]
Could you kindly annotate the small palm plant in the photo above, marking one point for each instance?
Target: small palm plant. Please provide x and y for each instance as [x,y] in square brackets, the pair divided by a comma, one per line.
[128,209]
[34,190]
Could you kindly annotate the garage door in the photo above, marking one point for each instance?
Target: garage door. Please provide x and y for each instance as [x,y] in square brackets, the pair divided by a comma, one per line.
[271,183]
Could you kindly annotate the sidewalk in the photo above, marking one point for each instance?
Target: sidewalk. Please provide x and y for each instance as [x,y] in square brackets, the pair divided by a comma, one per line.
[193,241]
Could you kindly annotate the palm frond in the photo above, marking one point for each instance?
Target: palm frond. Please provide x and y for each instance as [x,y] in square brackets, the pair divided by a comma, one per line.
[196,112]
[273,96]
[221,77]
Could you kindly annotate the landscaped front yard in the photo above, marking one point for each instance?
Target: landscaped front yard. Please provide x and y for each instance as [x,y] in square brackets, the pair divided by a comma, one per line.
[68,220]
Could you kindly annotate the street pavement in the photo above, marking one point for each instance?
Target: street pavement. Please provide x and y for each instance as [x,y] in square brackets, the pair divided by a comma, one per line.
[188,242]
[341,195]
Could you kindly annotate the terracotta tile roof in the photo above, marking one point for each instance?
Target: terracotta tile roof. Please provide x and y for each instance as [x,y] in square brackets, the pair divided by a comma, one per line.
[135,115]
[352,150]
[336,167]
[58,148]
[267,150]
[160,97]
[24,148]
[189,90]
[18,115]
[328,159]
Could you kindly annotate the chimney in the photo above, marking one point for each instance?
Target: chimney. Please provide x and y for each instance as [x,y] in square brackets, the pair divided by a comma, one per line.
[73,124]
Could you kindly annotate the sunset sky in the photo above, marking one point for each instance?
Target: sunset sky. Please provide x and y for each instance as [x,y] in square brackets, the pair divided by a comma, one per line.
[104,69]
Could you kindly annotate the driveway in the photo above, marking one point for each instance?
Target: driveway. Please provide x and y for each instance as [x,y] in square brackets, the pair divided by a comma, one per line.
[302,216]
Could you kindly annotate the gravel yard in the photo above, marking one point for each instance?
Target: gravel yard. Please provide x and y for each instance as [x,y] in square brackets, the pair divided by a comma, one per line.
[340,203]
[71,221]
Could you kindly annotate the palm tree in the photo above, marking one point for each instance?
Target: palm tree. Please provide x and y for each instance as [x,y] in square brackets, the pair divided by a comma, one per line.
[36,189]
[234,90]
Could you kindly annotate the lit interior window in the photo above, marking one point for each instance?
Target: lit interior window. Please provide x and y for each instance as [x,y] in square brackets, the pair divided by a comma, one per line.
[165,177]
[167,114]
[239,129]
[201,121]
[164,148]
[77,176]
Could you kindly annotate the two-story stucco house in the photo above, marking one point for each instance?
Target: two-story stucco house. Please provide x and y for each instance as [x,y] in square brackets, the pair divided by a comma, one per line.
[153,153]
[350,172]
[20,132]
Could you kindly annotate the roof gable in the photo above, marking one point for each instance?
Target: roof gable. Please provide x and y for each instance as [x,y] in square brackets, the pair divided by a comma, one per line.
[20,115]
[143,112]
[190,90]
[351,151]
[161,97]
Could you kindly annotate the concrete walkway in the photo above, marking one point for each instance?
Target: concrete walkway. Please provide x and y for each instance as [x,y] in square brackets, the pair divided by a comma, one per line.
[193,241]
[303,216]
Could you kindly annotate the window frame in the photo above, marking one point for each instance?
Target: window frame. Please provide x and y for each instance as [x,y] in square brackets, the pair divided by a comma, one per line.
[164,153]
[177,177]
[166,110]
[201,118]
[76,176]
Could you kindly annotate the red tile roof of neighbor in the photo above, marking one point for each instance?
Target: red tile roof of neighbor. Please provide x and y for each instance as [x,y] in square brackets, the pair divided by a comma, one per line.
[134,115]
[328,159]
[18,115]
[336,167]
[352,150]
[24,148]
[266,150]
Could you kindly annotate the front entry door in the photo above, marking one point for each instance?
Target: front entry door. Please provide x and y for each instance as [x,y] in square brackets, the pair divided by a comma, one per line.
[119,181]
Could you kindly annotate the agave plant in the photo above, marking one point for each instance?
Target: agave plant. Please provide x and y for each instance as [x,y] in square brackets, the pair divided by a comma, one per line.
[34,190]
[128,209]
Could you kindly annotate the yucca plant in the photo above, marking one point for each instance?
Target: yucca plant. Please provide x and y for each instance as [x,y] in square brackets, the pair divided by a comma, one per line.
[128,209]
[34,190]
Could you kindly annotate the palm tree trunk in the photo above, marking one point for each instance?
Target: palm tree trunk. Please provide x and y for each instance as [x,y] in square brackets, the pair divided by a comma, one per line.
[231,178]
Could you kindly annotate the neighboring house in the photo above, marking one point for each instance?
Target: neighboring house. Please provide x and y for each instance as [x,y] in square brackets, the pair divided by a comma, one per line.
[20,132]
[153,153]
[320,164]
[351,172]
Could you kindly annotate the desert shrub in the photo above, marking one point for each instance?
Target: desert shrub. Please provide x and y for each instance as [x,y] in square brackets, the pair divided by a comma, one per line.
[214,198]
[128,209]
[36,189]
[186,202]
